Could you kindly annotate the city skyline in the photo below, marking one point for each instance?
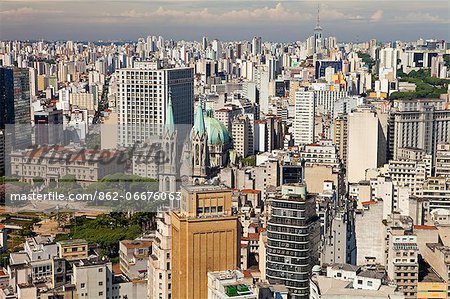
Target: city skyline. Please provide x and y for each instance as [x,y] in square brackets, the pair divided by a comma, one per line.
[278,21]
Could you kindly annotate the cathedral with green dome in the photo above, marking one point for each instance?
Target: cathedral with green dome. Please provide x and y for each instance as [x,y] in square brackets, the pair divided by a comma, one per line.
[211,143]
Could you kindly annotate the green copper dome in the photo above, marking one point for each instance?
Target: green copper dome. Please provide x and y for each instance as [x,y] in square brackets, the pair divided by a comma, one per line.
[217,132]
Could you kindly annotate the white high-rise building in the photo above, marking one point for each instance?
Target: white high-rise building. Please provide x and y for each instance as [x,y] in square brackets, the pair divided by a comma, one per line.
[159,273]
[143,95]
[217,48]
[388,58]
[366,144]
[256,46]
[325,99]
[304,117]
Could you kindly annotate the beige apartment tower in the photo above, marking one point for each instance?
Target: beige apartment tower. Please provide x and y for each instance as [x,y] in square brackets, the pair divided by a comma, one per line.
[366,143]
[340,136]
[204,238]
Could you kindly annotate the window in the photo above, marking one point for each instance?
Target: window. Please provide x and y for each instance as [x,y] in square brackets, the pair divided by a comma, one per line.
[369,283]
[83,285]
[100,283]
[100,293]
[360,281]
[100,270]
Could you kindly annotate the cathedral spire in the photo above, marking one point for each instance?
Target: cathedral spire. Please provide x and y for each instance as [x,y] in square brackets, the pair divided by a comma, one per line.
[199,124]
[170,122]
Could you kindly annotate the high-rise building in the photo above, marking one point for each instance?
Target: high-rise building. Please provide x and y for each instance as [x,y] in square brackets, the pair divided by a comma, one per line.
[304,117]
[402,255]
[143,99]
[325,100]
[322,165]
[322,65]
[256,46]
[205,238]
[216,47]
[159,268]
[204,43]
[15,106]
[240,132]
[340,137]
[370,243]
[366,143]
[292,239]
[419,124]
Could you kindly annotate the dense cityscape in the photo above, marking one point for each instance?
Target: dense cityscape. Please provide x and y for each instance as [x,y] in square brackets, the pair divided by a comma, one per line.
[167,169]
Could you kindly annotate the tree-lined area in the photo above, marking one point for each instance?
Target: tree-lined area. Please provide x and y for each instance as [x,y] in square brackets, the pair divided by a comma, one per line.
[426,86]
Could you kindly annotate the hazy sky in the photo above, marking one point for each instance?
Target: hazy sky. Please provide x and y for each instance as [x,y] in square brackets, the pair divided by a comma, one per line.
[357,20]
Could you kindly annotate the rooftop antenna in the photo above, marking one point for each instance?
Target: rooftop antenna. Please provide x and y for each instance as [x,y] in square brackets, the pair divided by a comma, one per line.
[318,14]
[318,18]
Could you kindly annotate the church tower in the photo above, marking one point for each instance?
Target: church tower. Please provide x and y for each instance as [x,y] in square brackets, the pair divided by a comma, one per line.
[200,155]
[168,169]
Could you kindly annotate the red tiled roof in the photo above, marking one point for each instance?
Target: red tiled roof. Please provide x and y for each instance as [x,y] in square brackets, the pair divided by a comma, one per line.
[369,202]
[253,236]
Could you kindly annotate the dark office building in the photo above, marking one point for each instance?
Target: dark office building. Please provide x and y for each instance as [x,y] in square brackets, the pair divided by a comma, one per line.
[291,173]
[321,65]
[15,106]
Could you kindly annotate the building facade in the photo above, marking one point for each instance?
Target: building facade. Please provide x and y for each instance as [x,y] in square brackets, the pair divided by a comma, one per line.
[204,238]
[292,237]
[143,99]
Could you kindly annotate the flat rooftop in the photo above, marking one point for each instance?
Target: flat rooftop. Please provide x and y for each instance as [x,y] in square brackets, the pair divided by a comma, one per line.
[72,242]
[205,188]
[335,287]
[136,243]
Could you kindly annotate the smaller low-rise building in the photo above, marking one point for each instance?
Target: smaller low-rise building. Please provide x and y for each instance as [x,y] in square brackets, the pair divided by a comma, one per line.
[133,255]
[73,249]
[229,284]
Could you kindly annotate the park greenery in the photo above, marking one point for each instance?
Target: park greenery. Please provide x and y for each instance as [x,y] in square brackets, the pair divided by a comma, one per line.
[447,60]
[367,60]
[426,86]
[249,161]
[136,217]
[108,230]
